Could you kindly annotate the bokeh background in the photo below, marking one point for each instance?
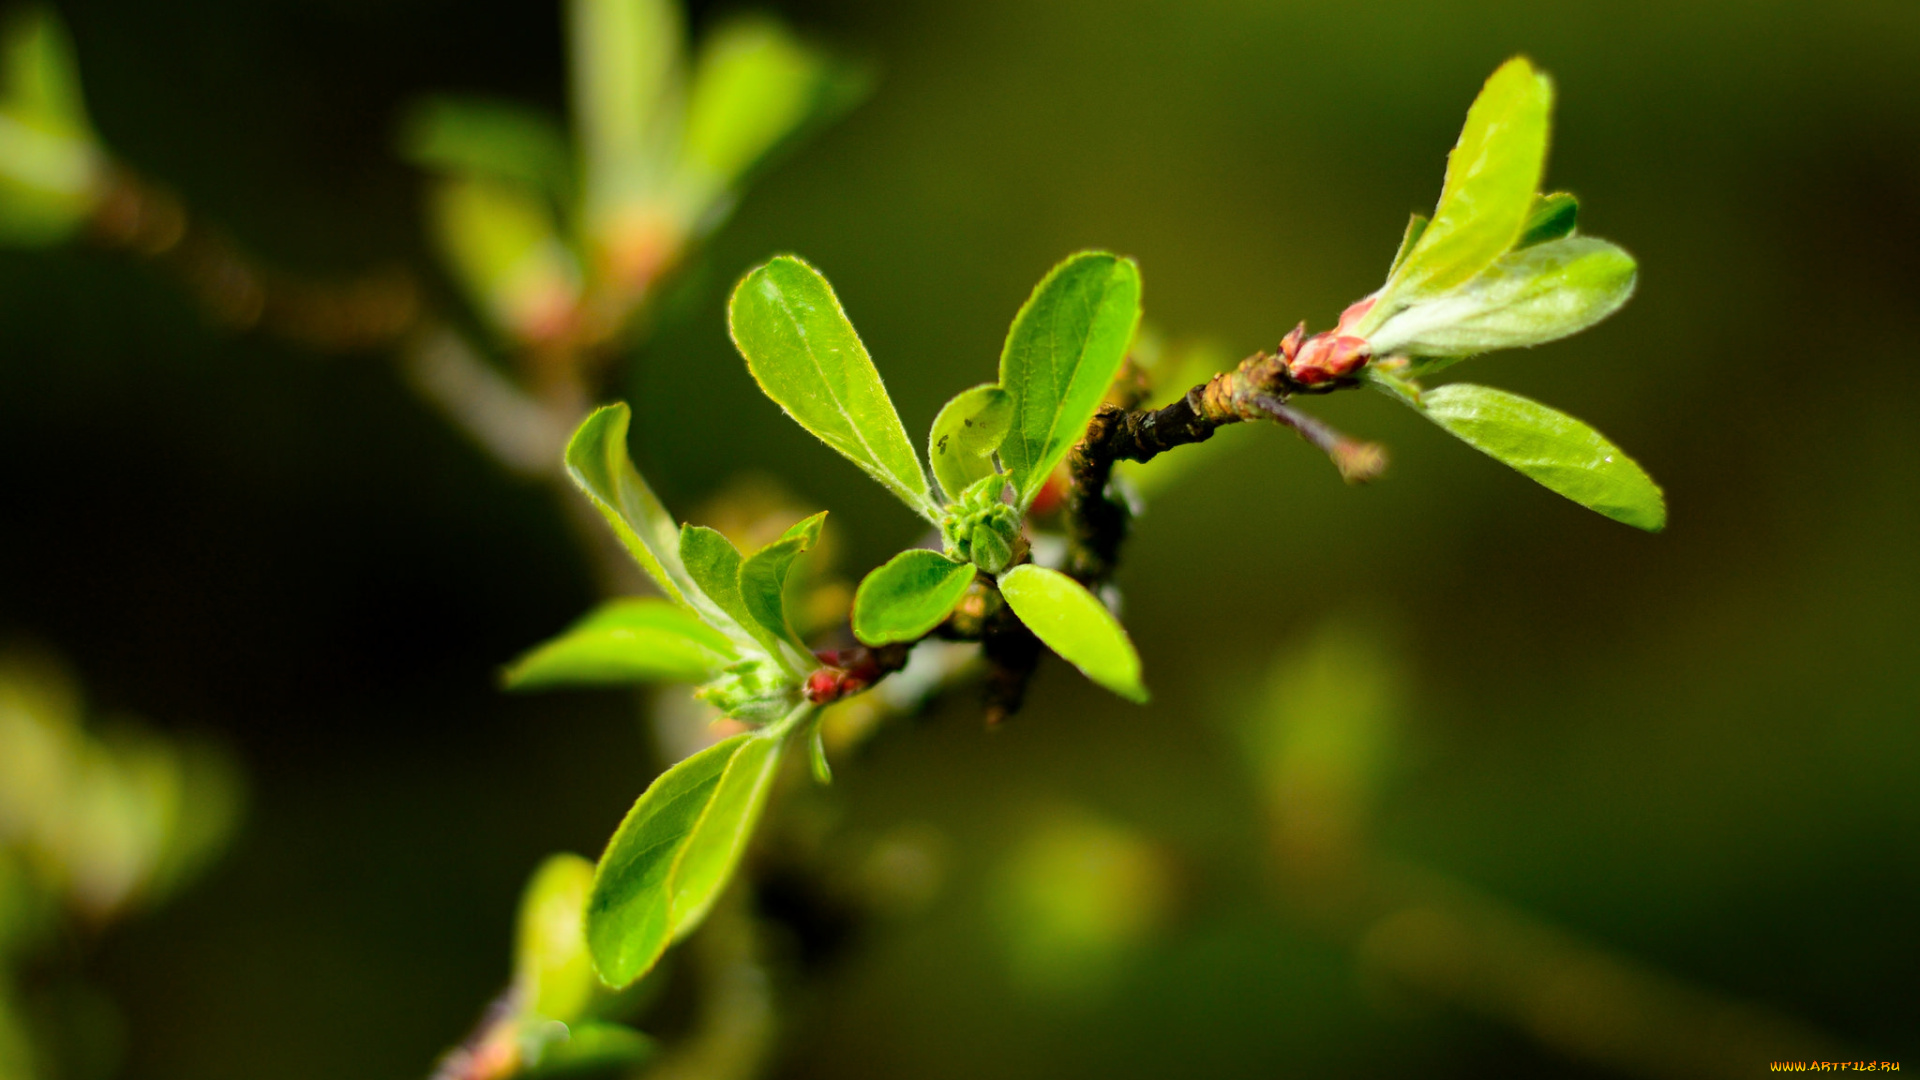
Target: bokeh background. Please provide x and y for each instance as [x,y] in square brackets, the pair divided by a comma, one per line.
[1625,783]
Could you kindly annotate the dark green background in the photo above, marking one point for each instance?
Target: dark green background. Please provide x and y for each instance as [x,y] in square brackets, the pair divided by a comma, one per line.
[1698,749]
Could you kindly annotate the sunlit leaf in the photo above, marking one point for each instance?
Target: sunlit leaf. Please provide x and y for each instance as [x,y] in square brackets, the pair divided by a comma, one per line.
[673,854]
[1552,448]
[1416,226]
[1063,350]
[1074,623]
[552,972]
[714,565]
[635,639]
[965,435]
[908,596]
[626,60]
[797,341]
[598,462]
[763,581]
[1492,175]
[1528,297]
[1554,217]
[495,139]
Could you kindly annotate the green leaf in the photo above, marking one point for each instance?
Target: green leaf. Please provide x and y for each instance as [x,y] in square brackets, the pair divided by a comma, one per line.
[625,57]
[552,972]
[1492,175]
[965,435]
[1554,217]
[1528,297]
[714,565]
[495,139]
[908,596]
[634,639]
[51,166]
[1552,448]
[674,852]
[1416,226]
[797,341]
[817,757]
[598,462]
[592,1047]
[1074,623]
[1063,351]
[763,585]
[754,87]
[502,243]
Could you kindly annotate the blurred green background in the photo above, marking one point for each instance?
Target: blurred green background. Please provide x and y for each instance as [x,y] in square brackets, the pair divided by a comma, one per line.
[1693,754]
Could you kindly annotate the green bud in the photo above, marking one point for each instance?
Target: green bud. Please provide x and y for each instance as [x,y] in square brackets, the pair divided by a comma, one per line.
[980,528]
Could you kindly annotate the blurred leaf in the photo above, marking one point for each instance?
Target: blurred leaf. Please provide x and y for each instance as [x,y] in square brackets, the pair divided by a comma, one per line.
[1492,175]
[1528,297]
[1554,217]
[909,595]
[763,584]
[1074,897]
[593,1046]
[754,87]
[1063,350]
[1552,448]
[626,57]
[1416,225]
[674,852]
[817,757]
[494,139]
[552,971]
[501,241]
[50,164]
[629,640]
[797,341]
[965,435]
[1074,623]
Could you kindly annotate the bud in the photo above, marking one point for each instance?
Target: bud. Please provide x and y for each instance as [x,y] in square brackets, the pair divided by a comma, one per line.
[981,529]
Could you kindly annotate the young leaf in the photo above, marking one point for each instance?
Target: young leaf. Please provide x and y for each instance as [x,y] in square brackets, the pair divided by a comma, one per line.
[598,462]
[909,595]
[755,86]
[714,565]
[1534,295]
[636,639]
[1492,175]
[1416,227]
[763,582]
[1554,217]
[494,139]
[502,242]
[1062,352]
[552,972]
[1550,447]
[965,434]
[625,57]
[586,1049]
[817,757]
[787,322]
[672,855]
[720,838]
[1074,623]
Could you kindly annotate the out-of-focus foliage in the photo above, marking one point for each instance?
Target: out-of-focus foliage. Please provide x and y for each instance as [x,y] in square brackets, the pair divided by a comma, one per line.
[50,167]
[1075,898]
[555,238]
[95,823]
